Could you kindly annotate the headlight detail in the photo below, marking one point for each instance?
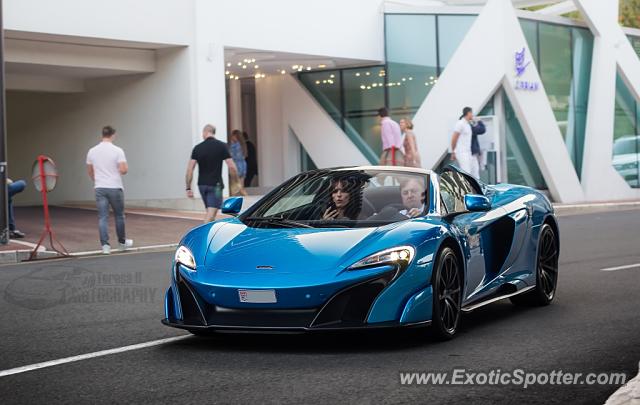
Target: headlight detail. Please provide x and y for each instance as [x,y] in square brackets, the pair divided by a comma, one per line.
[184,257]
[398,255]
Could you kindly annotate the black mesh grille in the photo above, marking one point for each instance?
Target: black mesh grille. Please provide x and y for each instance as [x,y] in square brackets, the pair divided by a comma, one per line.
[351,305]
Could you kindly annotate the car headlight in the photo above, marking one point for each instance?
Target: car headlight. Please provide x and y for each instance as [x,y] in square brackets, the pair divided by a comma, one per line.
[401,255]
[184,257]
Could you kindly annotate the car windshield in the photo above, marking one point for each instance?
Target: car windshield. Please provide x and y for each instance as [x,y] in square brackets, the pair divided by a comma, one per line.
[342,199]
[626,146]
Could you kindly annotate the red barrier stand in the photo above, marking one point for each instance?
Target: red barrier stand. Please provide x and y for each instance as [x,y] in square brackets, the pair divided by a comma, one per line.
[45,177]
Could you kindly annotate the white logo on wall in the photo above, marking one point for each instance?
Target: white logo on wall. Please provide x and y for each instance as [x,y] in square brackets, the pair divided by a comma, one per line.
[521,65]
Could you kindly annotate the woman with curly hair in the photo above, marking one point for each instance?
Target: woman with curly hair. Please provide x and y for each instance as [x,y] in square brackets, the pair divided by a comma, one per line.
[411,154]
[346,199]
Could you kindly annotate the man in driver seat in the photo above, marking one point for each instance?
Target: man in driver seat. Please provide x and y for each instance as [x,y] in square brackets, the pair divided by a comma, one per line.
[412,193]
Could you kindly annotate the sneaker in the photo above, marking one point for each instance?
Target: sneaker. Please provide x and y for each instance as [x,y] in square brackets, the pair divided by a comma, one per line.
[106,249]
[16,234]
[127,244]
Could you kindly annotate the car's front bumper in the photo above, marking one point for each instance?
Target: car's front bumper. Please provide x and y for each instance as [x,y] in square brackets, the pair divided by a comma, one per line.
[348,308]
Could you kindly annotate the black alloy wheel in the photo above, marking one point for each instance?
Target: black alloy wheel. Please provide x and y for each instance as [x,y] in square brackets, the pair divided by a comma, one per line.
[546,271]
[447,295]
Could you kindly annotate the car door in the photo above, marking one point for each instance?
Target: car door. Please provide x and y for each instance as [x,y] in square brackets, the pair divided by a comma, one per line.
[469,226]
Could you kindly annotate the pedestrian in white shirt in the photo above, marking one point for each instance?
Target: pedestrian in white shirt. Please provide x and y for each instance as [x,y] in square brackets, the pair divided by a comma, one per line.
[106,164]
[461,143]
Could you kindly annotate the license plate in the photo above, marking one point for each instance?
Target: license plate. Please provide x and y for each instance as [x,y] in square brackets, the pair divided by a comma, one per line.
[258,296]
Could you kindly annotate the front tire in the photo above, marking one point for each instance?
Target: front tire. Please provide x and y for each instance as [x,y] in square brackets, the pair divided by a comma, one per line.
[546,271]
[447,295]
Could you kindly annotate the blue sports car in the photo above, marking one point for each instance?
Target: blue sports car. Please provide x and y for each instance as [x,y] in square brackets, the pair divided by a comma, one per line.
[365,247]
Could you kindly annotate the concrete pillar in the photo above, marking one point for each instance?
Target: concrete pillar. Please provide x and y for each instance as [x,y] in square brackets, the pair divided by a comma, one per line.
[235,104]
[208,85]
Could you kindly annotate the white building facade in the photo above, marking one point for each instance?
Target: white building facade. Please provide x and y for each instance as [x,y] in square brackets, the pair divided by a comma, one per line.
[559,97]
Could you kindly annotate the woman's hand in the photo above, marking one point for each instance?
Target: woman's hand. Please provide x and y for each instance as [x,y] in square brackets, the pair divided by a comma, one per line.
[330,214]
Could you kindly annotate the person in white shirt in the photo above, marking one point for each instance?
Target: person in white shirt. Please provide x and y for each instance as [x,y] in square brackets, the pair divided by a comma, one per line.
[106,164]
[461,143]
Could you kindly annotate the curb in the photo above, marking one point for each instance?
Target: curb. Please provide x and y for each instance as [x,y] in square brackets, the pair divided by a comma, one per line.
[587,208]
[22,255]
[130,250]
[17,256]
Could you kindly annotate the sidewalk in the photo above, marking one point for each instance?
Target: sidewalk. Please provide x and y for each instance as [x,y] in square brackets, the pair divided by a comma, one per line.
[76,227]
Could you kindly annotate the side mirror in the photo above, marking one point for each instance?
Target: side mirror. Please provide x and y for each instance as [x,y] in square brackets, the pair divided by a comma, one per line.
[232,205]
[476,202]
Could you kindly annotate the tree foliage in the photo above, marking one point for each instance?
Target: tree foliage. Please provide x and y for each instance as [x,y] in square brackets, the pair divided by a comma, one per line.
[630,13]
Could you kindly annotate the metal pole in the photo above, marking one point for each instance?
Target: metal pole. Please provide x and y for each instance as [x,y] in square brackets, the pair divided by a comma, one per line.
[4,195]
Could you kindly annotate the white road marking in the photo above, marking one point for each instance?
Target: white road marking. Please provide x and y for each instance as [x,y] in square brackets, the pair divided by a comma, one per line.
[86,356]
[627,266]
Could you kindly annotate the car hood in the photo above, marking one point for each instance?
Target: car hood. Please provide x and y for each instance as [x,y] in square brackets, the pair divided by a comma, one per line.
[238,248]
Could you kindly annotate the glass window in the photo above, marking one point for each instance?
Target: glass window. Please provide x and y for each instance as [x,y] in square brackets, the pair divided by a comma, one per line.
[411,39]
[522,167]
[451,31]
[635,43]
[453,188]
[325,88]
[582,47]
[563,57]
[448,193]
[363,96]
[342,198]
[488,108]
[411,54]
[530,30]
[626,144]
[414,60]
[306,163]
[466,185]
[555,70]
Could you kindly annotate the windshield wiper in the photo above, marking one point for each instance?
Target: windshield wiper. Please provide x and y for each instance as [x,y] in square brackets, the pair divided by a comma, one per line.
[331,224]
[278,221]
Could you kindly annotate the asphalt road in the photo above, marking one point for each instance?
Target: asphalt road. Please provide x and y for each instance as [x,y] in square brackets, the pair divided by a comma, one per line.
[593,325]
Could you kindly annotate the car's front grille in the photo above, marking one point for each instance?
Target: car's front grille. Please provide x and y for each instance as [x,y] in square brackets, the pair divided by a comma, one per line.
[347,308]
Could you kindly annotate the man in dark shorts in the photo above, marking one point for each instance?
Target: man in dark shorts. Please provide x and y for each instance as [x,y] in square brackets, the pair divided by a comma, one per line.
[209,155]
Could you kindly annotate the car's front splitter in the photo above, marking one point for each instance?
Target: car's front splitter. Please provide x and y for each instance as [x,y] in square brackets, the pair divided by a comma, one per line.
[294,329]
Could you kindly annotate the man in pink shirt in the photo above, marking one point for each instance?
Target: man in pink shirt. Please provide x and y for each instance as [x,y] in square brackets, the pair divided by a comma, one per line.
[392,152]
